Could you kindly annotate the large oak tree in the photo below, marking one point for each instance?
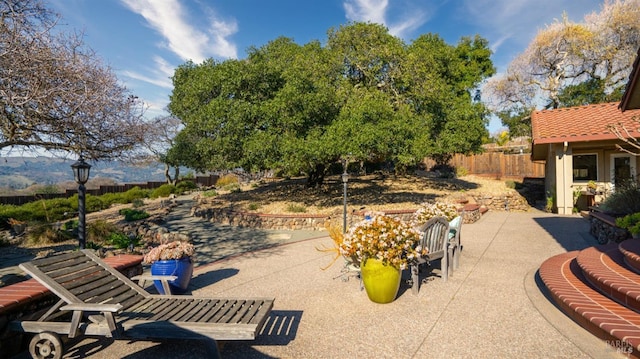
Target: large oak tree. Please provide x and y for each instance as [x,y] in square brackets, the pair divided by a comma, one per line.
[365,96]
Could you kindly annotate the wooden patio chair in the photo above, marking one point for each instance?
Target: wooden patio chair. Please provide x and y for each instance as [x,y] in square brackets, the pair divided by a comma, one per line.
[97,300]
[455,245]
[435,238]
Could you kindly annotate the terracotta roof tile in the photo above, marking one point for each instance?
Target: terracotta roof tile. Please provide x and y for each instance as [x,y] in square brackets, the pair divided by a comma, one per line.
[582,123]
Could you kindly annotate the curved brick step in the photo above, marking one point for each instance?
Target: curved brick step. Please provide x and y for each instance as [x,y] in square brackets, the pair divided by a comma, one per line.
[631,249]
[595,312]
[604,268]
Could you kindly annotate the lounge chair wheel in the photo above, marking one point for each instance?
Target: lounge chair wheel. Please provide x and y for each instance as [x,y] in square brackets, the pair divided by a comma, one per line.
[46,345]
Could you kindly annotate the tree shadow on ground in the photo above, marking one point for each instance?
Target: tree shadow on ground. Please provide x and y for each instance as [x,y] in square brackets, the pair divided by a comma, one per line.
[572,233]
[361,190]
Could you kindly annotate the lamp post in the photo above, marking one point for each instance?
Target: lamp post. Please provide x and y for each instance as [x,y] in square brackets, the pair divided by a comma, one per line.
[81,175]
[345,178]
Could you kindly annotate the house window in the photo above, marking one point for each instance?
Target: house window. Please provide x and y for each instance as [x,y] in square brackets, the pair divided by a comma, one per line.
[585,167]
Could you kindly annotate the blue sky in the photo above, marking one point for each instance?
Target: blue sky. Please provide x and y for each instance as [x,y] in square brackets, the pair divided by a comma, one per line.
[143,41]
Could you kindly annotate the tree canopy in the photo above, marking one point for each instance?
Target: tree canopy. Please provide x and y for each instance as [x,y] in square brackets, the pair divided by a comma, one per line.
[55,93]
[365,95]
[569,64]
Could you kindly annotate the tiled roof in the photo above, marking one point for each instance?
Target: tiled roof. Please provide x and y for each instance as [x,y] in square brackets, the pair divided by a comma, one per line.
[582,123]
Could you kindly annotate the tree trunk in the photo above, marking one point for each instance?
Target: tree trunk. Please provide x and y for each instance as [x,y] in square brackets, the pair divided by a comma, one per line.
[316,176]
[167,175]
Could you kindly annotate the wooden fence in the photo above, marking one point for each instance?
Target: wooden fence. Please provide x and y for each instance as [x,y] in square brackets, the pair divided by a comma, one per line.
[204,181]
[497,164]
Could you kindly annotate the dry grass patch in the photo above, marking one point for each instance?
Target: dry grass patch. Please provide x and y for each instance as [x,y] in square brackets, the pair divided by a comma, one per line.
[373,192]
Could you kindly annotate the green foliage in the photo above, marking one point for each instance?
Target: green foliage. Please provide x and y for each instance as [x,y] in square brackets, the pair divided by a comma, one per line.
[137,203]
[300,108]
[129,196]
[121,240]
[625,200]
[232,187]
[58,209]
[185,185]
[163,191]
[210,193]
[296,208]
[551,201]
[630,222]
[591,91]
[70,225]
[517,120]
[131,214]
[41,211]
[98,231]
[510,184]
[253,206]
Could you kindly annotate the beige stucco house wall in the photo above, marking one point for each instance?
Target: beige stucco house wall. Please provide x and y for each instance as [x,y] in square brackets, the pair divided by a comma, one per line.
[578,146]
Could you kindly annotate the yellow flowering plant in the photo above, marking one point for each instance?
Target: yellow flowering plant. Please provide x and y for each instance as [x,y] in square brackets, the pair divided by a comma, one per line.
[385,238]
[429,210]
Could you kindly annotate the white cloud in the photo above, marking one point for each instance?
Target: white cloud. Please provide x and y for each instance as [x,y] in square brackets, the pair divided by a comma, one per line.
[161,74]
[366,10]
[517,22]
[181,36]
[377,11]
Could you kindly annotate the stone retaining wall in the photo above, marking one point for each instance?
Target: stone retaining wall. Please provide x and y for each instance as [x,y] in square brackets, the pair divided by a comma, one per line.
[511,201]
[604,229]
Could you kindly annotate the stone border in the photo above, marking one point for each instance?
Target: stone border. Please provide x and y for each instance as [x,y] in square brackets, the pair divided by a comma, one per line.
[315,222]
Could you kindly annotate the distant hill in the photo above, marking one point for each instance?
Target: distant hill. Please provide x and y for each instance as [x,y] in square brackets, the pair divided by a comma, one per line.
[22,172]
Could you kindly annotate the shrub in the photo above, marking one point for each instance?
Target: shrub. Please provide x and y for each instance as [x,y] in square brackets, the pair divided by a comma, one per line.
[70,225]
[137,203]
[227,180]
[163,191]
[296,208]
[122,241]
[461,171]
[131,215]
[100,230]
[630,222]
[232,187]
[210,193]
[253,206]
[46,234]
[625,200]
[186,185]
[135,193]
[510,184]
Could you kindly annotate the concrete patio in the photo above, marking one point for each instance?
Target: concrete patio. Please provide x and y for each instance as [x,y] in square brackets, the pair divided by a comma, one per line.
[490,307]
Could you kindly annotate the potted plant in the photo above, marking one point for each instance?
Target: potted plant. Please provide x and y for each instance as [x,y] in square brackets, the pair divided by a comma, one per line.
[631,223]
[382,247]
[428,210]
[592,187]
[172,259]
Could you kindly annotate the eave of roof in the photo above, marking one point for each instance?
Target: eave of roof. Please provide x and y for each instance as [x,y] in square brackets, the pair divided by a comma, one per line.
[631,97]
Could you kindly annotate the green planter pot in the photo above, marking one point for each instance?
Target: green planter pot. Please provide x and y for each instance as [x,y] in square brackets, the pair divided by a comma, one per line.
[380,281]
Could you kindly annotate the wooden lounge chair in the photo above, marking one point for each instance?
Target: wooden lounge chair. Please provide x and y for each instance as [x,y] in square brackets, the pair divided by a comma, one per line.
[435,238]
[97,300]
